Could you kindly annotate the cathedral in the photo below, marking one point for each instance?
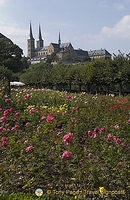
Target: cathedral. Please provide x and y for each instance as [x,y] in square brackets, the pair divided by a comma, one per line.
[63,51]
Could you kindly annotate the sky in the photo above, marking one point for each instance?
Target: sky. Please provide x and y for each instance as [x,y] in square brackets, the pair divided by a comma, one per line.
[87,24]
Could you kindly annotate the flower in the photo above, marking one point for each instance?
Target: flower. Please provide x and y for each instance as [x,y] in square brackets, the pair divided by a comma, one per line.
[43,117]
[16,113]
[96,130]
[3,119]
[6,125]
[90,156]
[4,139]
[50,119]
[18,101]
[85,149]
[115,138]
[4,143]
[26,141]
[51,131]
[118,141]
[67,155]
[68,97]
[27,96]
[30,149]
[102,190]
[109,137]
[91,135]
[102,130]
[128,122]
[120,163]
[68,138]
[59,133]
[31,111]
[16,127]
[63,114]
[116,126]
[6,100]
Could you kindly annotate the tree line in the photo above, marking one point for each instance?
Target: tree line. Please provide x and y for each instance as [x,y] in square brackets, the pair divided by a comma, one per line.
[99,75]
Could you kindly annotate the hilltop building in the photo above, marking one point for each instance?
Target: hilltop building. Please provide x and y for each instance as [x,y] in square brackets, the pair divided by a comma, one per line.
[63,51]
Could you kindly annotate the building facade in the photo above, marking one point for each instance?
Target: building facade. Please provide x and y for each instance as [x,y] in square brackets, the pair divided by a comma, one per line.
[63,51]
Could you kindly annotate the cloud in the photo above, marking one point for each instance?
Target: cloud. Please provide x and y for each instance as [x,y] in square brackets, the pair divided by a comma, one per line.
[120,30]
[110,38]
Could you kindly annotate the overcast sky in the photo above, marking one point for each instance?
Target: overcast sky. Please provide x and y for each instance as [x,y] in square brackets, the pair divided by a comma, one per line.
[87,24]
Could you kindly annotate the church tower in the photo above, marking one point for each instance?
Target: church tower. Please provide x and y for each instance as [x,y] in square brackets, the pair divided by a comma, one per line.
[40,40]
[59,41]
[31,44]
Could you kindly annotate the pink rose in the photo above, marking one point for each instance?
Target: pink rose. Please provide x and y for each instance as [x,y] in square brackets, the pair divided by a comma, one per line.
[90,156]
[118,141]
[109,137]
[43,117]
[16,113]
[26,141]
[3,119]
[67,155]
[68,97]
[116,126]
[90,134]
[50,118]
[31,111]
[96,130]
[102,130]
[4,143]
[7,100]
[59,133]
[29,149]
[6,125]
[16,127]
[68,138]
[63,114]
[18,101]
[4,139]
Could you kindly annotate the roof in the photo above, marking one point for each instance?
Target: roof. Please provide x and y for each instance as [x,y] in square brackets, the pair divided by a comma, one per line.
[81,52]
[41,48]
[100,52]
[55,45]
[1,35]
[65,45]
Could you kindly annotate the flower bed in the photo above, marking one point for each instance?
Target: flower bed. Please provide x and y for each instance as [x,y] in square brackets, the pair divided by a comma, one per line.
[53,142]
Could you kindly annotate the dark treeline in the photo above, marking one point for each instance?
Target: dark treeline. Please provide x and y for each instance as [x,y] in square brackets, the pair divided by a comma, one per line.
[96,76]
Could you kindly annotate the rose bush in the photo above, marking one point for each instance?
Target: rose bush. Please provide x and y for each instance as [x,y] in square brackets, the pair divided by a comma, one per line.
[50,141]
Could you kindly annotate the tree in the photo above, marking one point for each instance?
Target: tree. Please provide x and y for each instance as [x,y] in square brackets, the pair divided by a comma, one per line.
[121,70]
[10,55]
[5,77]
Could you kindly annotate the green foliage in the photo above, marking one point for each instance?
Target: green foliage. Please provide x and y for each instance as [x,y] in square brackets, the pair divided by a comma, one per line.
[96,76]
[5,77]
[10,55]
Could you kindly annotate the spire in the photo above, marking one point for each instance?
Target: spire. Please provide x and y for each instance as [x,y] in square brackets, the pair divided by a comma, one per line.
[59,41]
[40,35]
[31,35]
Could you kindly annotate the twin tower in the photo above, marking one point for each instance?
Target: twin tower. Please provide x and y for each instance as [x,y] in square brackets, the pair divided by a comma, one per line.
[40,43]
